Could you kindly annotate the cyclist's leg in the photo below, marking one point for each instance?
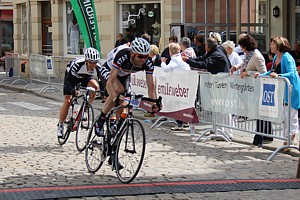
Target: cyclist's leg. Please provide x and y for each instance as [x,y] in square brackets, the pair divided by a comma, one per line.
[68,89]
[68,92]
[65,108]
[92,83]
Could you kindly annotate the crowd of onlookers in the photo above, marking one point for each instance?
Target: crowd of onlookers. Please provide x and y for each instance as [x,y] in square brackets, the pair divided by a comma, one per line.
[245,59]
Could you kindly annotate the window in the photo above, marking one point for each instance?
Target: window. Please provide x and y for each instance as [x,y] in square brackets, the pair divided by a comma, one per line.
[138,19]
[46,28]
[75,43]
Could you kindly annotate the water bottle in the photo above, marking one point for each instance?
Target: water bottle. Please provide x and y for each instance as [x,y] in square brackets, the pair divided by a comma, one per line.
[147,120]
[192,129]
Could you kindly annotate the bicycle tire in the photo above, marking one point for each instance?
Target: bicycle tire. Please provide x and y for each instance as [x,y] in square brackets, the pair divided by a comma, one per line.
[68,124]
[130,151]
[83,127]
[94,159]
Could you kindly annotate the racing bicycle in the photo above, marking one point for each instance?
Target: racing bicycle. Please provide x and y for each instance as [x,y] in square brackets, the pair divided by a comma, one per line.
[124,143]
[79,119]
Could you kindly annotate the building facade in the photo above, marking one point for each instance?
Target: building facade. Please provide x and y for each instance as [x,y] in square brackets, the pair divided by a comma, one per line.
[6,26]
[48,27]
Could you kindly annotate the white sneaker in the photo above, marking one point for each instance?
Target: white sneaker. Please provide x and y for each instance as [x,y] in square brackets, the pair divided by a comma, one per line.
[60,130]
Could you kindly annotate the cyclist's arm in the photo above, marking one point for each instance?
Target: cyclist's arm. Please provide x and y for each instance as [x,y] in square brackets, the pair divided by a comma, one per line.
[151,86]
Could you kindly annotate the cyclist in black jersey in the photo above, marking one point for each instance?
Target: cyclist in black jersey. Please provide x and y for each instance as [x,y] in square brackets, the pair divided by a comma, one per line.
[115,73]
[80,70]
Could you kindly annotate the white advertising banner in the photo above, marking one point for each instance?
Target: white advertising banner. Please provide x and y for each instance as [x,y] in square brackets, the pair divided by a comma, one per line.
[260,98]
[178,90]
[138,83]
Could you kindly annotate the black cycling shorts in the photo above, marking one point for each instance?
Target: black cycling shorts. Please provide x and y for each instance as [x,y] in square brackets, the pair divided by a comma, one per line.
[71,81]
[104,75]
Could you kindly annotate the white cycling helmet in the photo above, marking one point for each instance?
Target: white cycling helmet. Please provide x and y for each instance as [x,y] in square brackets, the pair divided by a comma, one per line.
[92,55]
[140,46]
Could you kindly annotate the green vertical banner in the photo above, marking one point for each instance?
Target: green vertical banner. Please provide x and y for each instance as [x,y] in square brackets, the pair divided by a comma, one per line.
[85,13]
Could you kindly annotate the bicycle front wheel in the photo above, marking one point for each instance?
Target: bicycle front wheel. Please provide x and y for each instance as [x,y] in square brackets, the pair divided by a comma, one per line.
[85,124]
[96,149]
[130,151]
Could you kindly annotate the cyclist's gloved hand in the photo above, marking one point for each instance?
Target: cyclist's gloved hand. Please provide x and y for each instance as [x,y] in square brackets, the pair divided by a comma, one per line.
[157,106]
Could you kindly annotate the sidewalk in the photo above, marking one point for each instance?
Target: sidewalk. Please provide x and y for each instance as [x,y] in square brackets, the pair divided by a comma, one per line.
[238,136]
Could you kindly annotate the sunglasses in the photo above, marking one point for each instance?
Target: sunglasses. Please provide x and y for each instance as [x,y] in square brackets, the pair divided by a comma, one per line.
[140,56]
[93,63]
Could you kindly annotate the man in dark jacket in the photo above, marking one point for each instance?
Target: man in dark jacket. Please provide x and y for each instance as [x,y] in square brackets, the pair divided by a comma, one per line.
[214,61]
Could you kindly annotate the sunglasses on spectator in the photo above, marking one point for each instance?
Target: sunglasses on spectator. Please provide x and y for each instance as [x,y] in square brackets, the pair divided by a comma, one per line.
[140,56]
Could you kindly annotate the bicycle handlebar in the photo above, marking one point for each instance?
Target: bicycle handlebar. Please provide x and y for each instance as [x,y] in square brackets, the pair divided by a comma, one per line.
[157,105]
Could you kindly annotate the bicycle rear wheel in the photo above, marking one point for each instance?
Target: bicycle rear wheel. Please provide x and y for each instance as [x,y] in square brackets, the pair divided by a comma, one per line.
[85,124]
[96,149]
[130,151]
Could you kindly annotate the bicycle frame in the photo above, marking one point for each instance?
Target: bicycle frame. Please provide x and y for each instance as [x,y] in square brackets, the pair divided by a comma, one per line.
[86,97]
[113,140]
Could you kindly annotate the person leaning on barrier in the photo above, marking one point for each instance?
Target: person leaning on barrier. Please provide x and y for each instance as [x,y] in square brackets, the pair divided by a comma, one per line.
[254,61]
[213,61]
[284,66]
[80,70]
[176,62]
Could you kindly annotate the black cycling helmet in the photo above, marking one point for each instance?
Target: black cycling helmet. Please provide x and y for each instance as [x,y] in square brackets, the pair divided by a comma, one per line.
[140,46]
[92,55]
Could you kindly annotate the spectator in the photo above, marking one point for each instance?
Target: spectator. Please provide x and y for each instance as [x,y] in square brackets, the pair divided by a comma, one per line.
[213,61]
[238,49]
[120,40]
[185,45]
[165,53]
[284,66]
[176,62]
[154,55]
[233,57]
[296,53]
[220,48]
[254,62]
[200,45]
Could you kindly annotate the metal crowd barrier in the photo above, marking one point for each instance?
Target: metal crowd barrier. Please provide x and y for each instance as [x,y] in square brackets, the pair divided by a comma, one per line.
[42,70]
[13,73]
[224,123]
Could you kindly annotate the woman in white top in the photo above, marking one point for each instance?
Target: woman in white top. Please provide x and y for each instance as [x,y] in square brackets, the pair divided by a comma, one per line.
[175,63]
[176,59]
[233,56]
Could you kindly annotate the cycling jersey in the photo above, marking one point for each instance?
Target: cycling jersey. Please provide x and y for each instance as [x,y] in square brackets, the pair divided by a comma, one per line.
[76,73]
[77,68]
